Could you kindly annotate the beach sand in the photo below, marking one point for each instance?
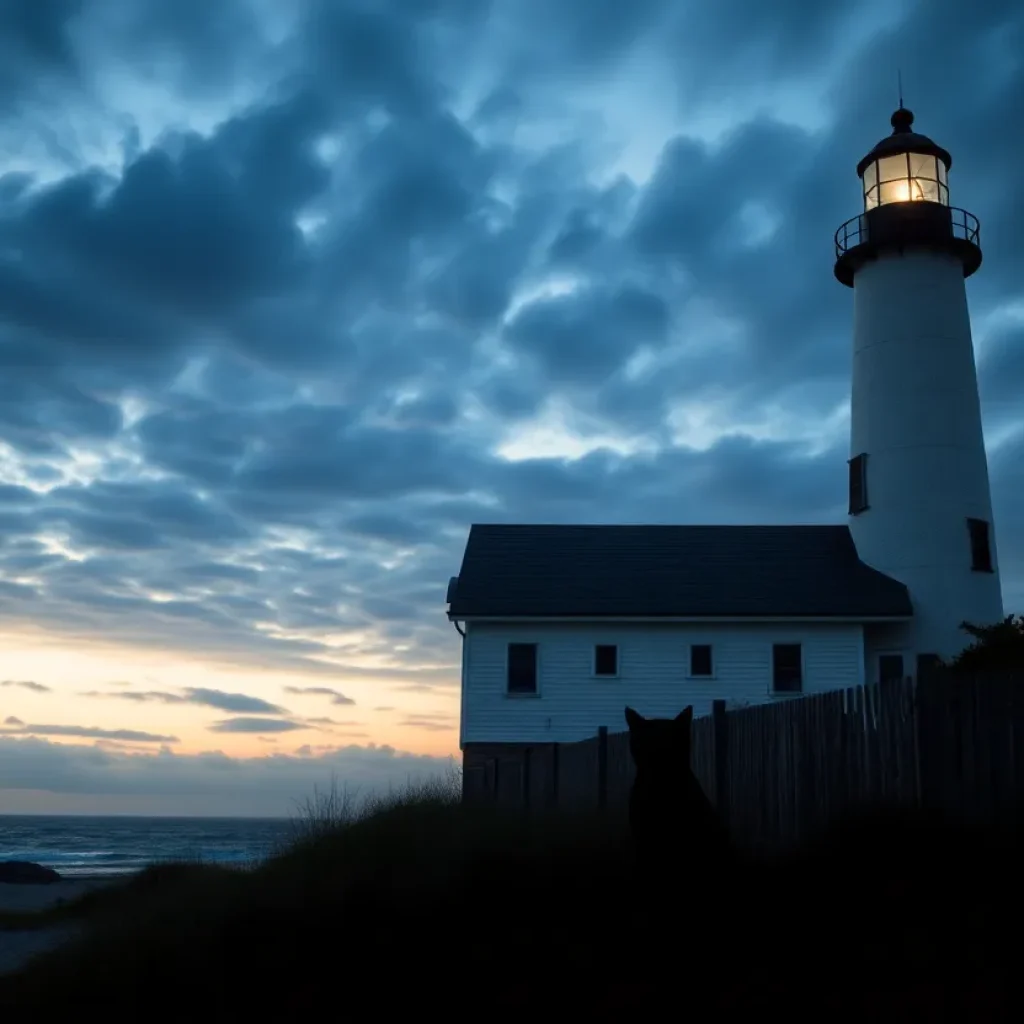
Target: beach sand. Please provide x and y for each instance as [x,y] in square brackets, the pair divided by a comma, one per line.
[39,897]
[18,947]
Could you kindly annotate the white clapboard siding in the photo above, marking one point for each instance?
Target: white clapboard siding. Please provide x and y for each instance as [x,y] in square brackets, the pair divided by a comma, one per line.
[653,673]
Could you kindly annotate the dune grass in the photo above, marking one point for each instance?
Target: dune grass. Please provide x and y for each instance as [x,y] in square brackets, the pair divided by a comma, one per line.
[413,902]
[317,817]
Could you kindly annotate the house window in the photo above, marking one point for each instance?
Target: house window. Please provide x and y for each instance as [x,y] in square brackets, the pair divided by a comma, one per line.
[522,668]
[858,484]
[890,668]
[700,660]
[606,660]
[981,549]
[787,668]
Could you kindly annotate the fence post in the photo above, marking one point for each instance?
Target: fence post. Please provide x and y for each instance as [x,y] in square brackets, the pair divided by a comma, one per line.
[602,767]
[555,771]
[720,724]
[526,777]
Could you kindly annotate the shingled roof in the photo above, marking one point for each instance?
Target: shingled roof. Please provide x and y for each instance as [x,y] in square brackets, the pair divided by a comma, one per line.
[671,571]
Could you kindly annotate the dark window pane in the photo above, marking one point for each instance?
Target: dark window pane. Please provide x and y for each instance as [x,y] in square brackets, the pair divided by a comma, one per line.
[606,660]
[981,551]
[522,668]
[787,668]
[858,484]
[700,660]
[890,667]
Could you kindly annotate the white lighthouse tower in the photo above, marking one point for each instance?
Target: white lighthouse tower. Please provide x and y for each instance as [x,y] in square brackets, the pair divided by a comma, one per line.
[920,504]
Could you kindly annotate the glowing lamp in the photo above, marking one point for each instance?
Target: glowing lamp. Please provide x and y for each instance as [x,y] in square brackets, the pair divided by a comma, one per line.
[905,188]
[905,167]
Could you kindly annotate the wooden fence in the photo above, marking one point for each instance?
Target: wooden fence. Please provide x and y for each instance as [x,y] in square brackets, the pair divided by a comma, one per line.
[777,770]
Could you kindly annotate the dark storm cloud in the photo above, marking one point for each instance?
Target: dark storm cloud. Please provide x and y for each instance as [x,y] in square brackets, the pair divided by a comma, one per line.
[148,515]
[27,684]
[580,339]
[255,725]
[35,43]
[86,732]
[321,691]
[257,376]
[223,211]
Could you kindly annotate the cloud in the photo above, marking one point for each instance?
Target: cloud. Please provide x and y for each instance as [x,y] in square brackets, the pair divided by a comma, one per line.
[139,696]
[322,691]
[231,701]
[255,725]
[27,685]
[125,735]
[431,723]
[11,720]
[51,777]
[219,699]
[286,315]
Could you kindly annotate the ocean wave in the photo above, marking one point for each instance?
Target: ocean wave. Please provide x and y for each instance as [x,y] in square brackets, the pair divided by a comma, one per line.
[104,846]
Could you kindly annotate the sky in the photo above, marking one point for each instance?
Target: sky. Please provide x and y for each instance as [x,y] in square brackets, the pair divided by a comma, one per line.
[293,292]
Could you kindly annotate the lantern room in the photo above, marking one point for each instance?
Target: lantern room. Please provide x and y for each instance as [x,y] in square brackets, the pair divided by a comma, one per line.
[905,167]
[905,195]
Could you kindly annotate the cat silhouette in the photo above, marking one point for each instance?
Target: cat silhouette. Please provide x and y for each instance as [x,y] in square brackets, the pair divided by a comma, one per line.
[670,816]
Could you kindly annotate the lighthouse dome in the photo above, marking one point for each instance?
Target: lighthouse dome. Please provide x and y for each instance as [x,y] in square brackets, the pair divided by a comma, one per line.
[904,140]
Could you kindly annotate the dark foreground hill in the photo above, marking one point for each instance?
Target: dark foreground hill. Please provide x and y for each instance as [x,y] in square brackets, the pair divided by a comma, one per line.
[433,907]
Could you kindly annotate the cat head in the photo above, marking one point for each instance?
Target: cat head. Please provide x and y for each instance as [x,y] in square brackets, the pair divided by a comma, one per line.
[660,744]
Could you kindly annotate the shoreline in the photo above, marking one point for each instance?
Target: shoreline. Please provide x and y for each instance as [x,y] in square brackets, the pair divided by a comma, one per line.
[31,898]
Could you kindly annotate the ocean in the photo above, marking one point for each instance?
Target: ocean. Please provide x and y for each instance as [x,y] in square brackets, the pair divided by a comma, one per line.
[78,846]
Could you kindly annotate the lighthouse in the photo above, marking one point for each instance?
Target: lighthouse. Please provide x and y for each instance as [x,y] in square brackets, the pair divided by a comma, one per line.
[920,507]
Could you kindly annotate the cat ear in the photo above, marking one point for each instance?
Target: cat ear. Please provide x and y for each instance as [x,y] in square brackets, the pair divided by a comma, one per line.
[634,719]
[685,717]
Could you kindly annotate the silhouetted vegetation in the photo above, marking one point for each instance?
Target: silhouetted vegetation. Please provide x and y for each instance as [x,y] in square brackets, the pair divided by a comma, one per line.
[418,904]
[998,647]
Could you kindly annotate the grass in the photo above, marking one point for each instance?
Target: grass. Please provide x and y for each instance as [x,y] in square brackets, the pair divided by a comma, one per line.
[415,902]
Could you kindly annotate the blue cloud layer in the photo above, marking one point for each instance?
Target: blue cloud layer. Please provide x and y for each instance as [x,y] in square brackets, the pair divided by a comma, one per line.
[269,319]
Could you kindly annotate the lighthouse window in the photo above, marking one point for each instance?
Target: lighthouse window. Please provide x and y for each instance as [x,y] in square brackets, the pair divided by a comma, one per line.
[893,174]
[858,484]
[905,177]
[924,181]
[981,548]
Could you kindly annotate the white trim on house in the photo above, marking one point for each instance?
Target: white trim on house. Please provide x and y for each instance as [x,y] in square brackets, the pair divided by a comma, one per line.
[463,688]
